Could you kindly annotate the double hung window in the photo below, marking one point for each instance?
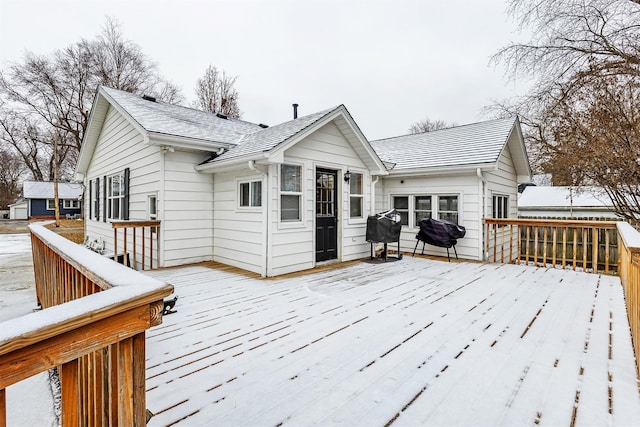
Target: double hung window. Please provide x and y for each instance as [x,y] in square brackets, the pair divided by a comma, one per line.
[356,197]
[290,193]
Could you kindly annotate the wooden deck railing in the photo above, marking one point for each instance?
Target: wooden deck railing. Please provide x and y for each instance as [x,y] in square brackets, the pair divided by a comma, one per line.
[629,249]
[142,252]
[92,327]
[588,245]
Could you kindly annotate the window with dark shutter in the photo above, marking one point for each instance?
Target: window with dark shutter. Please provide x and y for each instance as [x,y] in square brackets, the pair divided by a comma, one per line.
[125,208]
[90,196]
[104,199]
[97,200]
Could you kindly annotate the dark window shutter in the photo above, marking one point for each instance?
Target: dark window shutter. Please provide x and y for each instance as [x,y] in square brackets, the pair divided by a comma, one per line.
[97,206]
[104,200]
[125,208]
[90,198]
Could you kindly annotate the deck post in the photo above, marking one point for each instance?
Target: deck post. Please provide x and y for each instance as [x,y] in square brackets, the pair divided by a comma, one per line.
[3,408]
[139,378]
[70,384]
[594,247]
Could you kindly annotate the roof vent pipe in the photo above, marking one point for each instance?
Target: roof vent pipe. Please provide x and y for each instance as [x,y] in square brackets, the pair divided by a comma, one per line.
[295,111]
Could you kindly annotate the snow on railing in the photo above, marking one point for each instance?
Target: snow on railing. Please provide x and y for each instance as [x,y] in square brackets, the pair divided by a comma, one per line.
[629,249]
[92,326]
[586,245]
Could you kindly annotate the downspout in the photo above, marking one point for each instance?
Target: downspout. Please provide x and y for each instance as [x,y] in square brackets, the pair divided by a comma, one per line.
[265,214]
[160,209]
[373,194]
[482,208]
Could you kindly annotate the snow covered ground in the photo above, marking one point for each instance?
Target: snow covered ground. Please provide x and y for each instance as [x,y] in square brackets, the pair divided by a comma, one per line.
[413,342]
[29,402]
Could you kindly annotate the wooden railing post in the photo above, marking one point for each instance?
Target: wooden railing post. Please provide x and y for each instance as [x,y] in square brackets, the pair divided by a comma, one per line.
[70,384]
[3,408]
[139,378]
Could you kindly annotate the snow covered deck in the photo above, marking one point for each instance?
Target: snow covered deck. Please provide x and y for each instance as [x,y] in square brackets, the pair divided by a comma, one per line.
[414,342]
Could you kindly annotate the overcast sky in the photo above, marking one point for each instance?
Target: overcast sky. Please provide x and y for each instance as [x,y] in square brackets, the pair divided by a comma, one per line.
[390,62]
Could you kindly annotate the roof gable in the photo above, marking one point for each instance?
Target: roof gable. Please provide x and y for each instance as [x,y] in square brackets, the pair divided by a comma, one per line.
[472,145]
[271,143]
[159,121]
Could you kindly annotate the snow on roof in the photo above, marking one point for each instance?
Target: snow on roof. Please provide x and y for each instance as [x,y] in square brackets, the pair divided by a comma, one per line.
[176,120]
[475,143]
[44,190]
[563,197]
[267,139]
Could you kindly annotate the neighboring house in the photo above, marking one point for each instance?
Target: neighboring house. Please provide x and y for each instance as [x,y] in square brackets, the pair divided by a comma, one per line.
[565,202]
[461,174]
[19,210]
[41,201]
[278,199]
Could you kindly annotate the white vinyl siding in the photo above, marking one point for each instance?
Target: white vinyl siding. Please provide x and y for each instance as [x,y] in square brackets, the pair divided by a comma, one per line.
[292,245]
[120,146]
[502,182]
[464,187]
[238,233]
[186,203]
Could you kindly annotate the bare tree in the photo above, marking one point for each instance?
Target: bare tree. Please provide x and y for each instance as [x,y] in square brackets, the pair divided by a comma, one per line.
[581,117]
[11,172]
[216,93]
[49,97]
[428,125]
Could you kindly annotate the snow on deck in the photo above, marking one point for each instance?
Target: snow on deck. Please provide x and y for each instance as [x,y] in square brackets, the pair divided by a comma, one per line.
[413,342]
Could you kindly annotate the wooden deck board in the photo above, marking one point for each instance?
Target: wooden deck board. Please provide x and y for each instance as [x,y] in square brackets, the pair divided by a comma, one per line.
[410,342]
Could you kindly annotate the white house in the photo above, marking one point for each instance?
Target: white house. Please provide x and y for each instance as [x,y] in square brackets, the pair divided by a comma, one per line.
[271,200]
[278,199]
[565,202]
[461,174]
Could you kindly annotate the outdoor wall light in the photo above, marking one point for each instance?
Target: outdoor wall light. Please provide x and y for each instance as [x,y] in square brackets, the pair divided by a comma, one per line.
[347,176]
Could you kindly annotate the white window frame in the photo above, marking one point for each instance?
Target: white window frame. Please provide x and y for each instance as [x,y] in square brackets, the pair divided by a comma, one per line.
[71,204]
[503,199]
[119,199]
[152,201]
[435,206]
[51,202]
[415,210]
[357,196]
[299,194]
[408,210]
[250,183]
[438,211]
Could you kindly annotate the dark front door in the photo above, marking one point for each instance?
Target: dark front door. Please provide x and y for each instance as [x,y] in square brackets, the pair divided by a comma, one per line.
[326,215]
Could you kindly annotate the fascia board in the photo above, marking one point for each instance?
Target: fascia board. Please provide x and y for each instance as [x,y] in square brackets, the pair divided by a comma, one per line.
[443,170]
[185,143]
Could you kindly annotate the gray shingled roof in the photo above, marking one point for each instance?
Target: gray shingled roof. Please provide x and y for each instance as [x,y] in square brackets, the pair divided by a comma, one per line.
[169,119]
[475,143]
[44,190]
[269,138]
